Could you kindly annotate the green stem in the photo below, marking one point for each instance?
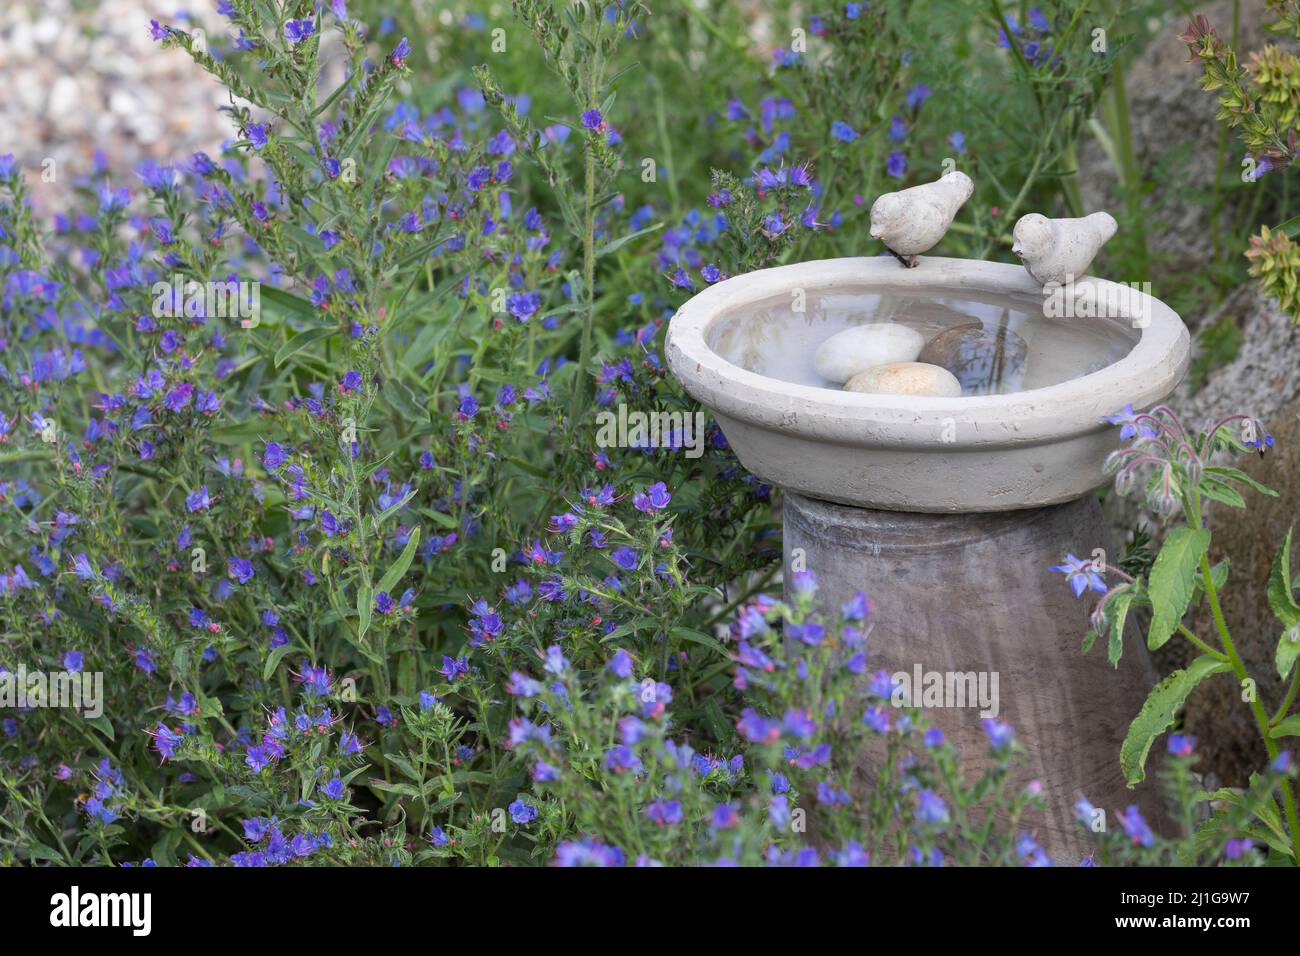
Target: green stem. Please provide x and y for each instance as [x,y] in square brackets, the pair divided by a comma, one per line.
[1217,655]
[1256,706]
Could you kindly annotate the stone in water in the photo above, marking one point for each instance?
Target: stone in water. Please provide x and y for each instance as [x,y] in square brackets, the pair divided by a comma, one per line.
[847,353]
[985,361]
[906,378]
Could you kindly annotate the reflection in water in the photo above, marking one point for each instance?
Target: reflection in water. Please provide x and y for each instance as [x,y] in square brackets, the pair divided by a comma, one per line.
[994,344]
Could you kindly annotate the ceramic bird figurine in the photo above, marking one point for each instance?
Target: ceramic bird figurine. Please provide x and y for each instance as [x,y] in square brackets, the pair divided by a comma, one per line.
[1056,250]
[912,221]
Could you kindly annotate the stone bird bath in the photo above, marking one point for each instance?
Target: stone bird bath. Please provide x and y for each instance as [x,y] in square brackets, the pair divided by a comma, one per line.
[949,512]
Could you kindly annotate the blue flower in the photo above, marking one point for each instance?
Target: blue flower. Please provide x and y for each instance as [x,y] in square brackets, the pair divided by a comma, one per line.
[1136,828]
[1081,574]
[930,808]
[240,569]
[1126,418]
[295,31]
[522,813]
[843,131]
[1000,735]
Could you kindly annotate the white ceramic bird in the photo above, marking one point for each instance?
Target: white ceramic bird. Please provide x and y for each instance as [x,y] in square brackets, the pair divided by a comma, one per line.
[1056,250]
[912,221]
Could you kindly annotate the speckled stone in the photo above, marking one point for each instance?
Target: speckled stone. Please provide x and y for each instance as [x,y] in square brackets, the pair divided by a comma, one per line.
[905,378]
[984,361]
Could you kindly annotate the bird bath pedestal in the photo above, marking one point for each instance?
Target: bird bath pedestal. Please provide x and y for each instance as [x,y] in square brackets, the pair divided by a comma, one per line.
[949,512]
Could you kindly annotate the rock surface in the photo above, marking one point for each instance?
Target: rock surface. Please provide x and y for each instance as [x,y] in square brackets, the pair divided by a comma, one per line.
[905,378]
[855,350]
[982,360]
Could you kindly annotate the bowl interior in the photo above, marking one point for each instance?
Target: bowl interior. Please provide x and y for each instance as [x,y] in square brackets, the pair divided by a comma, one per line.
[995,342]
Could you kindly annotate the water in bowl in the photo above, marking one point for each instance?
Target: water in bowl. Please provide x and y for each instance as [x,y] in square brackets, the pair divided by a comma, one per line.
[995,343]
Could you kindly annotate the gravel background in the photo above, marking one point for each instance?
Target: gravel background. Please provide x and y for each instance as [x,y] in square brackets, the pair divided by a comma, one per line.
[81,76]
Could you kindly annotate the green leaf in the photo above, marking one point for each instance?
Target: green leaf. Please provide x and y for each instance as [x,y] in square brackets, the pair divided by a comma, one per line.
[1288,650]
[1280,597]
[696,637]
[39,851]
[1218,491]
[394,574]
[273,660]
[1287,728]
[1236,474]
[103,725]
[1116,614]
[617,244]
[401,397]
[287,304]
[1173,580]
[301,341]
[1158,714]
[365,605]
[1291,227]
[437,517]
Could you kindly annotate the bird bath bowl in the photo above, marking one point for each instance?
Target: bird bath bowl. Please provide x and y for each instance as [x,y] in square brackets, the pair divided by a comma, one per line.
[949,512]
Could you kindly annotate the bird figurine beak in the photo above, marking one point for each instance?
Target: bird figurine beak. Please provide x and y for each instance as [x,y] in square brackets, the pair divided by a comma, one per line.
[1015,249]
[875,232]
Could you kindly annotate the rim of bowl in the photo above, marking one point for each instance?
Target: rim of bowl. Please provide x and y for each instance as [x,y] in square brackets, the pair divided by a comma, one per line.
[1147,374]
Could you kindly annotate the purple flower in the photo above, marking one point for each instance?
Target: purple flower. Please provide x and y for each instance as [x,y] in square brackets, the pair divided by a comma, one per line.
[626,558]
[73,661]
[1000,735]
[165,740]
[257,135]
[664,812]
[522,813]
[896,164]
[400,52]
[592,119]
[273,457]
[333,789]
[1136,828]
[843,131]
[1181,745]
[655,498]
[240,569]
[917,96]
[620,664]
[295,31]
[1238,847]
[930,808]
